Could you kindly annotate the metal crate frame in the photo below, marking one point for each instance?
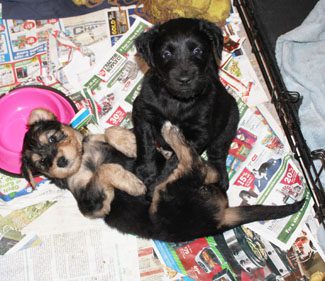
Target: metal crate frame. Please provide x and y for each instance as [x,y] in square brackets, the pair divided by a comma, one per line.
[286,105]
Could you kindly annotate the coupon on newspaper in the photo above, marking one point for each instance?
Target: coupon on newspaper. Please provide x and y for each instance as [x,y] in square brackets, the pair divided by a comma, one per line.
[110,92]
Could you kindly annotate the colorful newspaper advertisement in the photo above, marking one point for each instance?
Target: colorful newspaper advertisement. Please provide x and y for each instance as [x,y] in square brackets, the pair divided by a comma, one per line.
[35,51]
[241,254]
[110,92]
[262,171]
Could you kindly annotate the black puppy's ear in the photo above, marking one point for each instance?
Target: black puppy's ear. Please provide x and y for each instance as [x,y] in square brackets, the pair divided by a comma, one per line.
[40,114]
[214,33]
[144,44]
[27,172]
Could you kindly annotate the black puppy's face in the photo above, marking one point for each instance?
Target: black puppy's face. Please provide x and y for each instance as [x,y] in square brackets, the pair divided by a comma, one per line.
[182,52]
[50,148]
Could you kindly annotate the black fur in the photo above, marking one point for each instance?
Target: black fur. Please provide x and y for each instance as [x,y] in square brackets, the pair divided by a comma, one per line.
[182,86]
[188,208]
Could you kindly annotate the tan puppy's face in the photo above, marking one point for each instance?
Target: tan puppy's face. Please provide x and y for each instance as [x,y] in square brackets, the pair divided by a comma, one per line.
[50,148]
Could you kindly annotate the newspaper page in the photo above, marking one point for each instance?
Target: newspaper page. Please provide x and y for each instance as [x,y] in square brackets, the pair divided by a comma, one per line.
[236,71]
[104,25]
[262,171]
[23,46]
[93,36]
[11,227]
[19,207]
[151,269]
[241,254]
[73,247]
[95,254]
[34,51]
[109,93]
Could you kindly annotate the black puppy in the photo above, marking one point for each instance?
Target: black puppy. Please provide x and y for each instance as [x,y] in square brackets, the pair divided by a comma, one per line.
[182,86]
[186,205]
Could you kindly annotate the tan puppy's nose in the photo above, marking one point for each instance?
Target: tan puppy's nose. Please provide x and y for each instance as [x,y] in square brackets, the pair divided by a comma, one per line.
[62,162]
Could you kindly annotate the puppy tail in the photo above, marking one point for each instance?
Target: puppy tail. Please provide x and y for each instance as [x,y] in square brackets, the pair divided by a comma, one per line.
[236,216]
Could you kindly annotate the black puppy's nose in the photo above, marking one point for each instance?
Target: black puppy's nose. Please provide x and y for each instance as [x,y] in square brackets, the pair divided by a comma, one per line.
[184,79]
[62,162]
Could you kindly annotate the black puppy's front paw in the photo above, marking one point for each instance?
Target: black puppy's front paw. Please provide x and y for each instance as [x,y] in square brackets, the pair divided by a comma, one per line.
[224,181]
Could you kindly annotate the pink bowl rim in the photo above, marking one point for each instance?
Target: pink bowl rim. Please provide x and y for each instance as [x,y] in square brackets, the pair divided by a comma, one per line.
[47,88]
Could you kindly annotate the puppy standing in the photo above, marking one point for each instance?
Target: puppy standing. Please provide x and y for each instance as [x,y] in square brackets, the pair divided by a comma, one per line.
[182,86]
[90,167]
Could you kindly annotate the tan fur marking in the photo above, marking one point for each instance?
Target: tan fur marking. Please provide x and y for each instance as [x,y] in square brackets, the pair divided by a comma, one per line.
[176,140]
[212,176]
[122,139]
[115,175]
[229,216]
[43,138]
[31,179]
[35,157]
[183,152]
[80,179]
[104,211]
[97,137]
[40,114]
[175,175]
[71,149]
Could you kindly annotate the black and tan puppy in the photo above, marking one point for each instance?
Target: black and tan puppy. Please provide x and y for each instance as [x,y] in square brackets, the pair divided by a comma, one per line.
[186,205]
[90,167]
[182,86]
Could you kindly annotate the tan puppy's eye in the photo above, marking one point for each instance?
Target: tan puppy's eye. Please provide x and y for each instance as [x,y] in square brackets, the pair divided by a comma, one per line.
[52,139]
[56,137]
[42,162]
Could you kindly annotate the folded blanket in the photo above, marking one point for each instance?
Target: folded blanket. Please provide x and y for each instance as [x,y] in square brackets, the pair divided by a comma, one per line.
[46,9]
[300,54]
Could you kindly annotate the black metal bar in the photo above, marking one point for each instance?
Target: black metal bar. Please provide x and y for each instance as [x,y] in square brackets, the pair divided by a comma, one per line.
[284,102]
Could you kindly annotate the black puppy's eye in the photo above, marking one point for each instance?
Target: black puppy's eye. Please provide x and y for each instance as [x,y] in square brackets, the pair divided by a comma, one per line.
[167,54]
[197,51]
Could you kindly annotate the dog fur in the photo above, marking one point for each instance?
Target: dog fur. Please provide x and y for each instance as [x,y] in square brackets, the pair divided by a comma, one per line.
[186,205]
[182,86]
[88,166]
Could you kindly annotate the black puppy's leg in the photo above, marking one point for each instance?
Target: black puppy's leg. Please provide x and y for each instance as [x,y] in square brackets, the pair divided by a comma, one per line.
[149,161]
[217,151]
[217,155]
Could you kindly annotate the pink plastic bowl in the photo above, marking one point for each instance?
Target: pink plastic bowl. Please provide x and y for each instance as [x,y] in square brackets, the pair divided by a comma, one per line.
[15,108]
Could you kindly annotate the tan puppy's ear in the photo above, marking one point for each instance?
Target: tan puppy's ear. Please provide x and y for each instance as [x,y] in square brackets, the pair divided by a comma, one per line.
[26,172]
[40,114]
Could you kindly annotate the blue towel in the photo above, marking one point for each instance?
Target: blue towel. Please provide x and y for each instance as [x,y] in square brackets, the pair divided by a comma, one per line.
[300,54]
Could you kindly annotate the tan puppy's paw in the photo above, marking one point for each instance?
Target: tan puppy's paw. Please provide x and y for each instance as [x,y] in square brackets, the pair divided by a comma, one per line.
[137,187]
[122,139]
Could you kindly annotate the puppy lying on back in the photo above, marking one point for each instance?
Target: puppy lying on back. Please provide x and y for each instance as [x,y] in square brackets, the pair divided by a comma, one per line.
[90,167]
[186,205]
